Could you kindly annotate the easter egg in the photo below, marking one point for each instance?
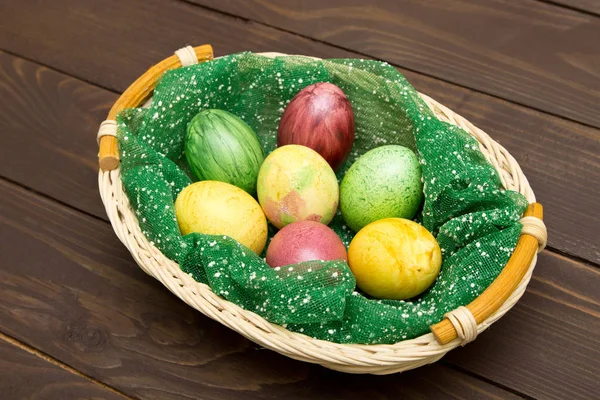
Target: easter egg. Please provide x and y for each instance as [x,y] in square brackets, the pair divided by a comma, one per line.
[220,146]
[296,184]
[394,258]
[305,241]
[218,208]
[383,183]
[320,117]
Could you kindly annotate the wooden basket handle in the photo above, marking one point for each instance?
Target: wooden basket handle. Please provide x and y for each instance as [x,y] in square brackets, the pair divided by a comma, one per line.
[502,287]
[135,96]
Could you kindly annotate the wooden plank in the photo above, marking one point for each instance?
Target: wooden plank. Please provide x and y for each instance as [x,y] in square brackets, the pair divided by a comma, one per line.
[71,290]
[25,376]
[48,123]
[466,99]
[559,314]
[559,157]
[529,52]
[590,6]
[115,44]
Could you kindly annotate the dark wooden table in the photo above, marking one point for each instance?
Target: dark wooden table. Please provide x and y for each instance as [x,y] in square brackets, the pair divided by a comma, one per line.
[79,319]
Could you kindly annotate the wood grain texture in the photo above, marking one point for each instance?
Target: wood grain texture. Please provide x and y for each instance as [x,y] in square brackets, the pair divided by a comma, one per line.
[25,376]
[570,169]
[559,157]
[115,44]
[49,123]
[529,52]
[559,314]
[591,6]
[76,294]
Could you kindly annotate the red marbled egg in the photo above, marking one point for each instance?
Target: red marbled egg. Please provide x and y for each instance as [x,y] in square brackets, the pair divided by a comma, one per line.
[320,117]
[305,241]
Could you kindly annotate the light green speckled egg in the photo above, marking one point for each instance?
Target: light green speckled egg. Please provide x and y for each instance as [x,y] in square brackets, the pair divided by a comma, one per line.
[383,183]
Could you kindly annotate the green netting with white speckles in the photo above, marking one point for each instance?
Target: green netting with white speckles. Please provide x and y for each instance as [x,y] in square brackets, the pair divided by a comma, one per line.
[474,220]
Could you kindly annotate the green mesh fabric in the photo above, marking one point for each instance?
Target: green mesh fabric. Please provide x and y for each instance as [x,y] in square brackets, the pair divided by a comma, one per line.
[474,219]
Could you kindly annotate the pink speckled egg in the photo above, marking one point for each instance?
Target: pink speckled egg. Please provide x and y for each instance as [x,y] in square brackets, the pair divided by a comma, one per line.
[305,241]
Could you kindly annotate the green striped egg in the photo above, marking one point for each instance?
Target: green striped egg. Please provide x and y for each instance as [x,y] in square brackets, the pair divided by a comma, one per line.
[219,146]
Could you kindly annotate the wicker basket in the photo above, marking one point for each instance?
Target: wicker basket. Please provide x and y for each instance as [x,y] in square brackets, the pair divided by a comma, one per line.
[458,327]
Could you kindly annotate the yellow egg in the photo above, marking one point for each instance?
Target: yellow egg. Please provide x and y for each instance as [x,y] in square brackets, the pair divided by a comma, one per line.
[218,208]
[394,258]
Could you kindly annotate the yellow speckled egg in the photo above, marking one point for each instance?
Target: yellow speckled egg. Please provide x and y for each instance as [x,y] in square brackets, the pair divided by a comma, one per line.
[296,184]
[394,258]
[218,208]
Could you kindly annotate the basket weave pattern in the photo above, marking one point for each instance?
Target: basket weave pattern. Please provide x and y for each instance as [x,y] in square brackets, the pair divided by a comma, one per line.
[354,358]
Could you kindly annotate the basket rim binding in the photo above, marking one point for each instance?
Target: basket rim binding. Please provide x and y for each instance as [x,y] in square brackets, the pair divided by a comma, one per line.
[352,358]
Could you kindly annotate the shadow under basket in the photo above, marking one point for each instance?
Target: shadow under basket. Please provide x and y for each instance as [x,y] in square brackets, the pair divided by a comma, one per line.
[457,328]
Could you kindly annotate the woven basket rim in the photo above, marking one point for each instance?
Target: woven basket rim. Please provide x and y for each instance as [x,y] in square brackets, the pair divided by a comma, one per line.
[353,358]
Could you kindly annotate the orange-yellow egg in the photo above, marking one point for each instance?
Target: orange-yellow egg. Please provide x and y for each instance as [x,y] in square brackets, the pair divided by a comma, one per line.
[218,208]
[394,258]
